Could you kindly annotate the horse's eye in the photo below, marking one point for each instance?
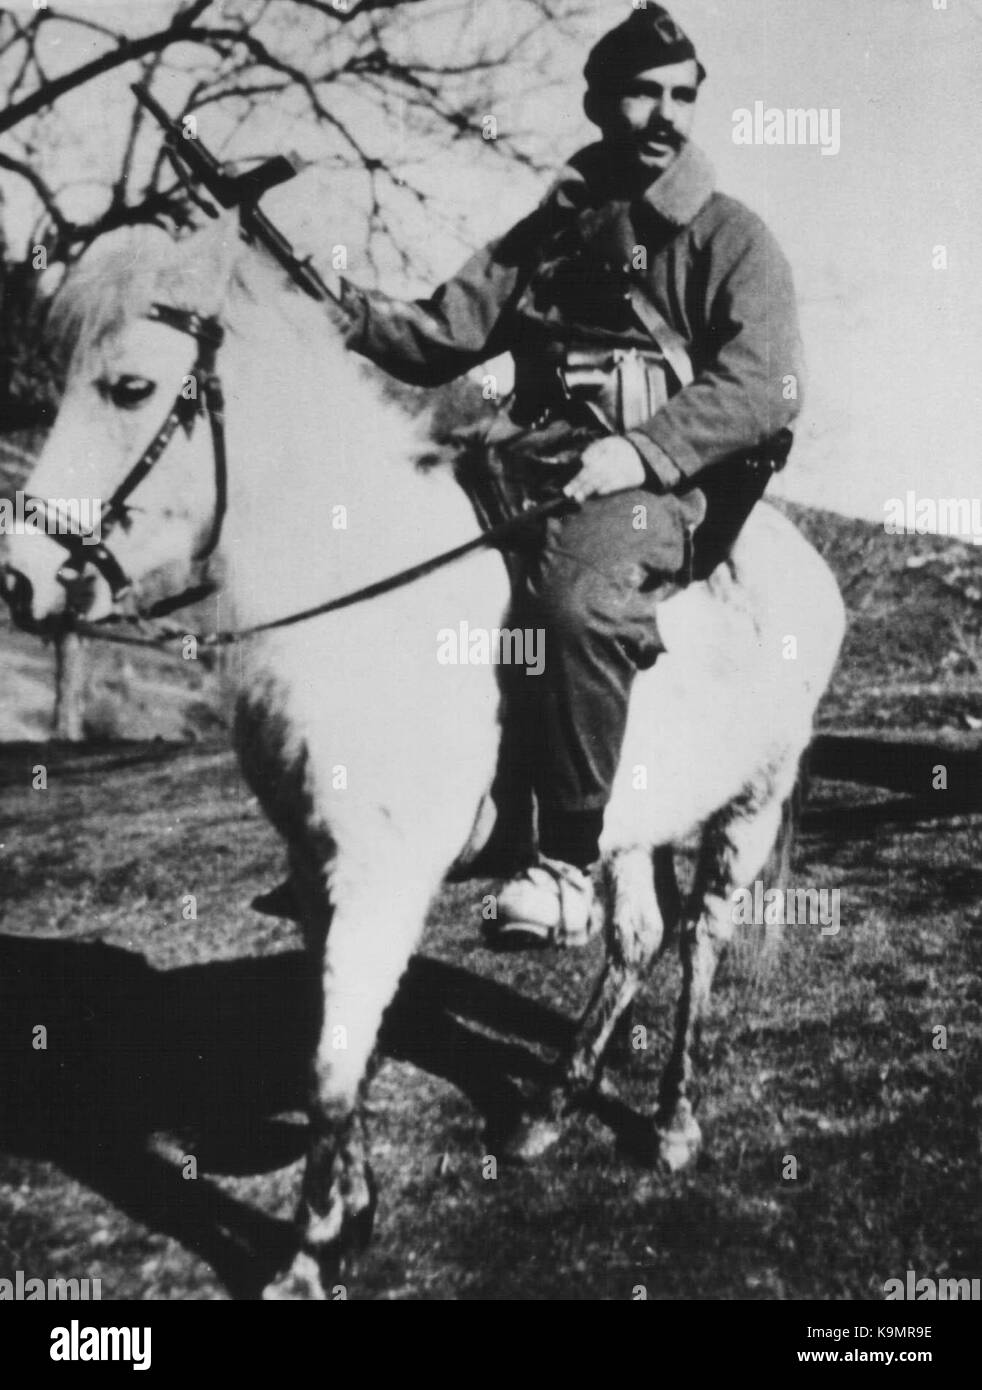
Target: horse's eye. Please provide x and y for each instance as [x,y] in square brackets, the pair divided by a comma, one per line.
[128,392]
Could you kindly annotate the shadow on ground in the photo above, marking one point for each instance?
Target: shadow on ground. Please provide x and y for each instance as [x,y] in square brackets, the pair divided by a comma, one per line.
[142,1068]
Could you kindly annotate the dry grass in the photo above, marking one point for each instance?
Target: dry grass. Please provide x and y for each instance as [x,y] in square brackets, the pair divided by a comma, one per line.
[169,1037]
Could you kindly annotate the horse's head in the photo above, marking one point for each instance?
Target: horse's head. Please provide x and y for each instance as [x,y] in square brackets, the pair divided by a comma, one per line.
[139,316]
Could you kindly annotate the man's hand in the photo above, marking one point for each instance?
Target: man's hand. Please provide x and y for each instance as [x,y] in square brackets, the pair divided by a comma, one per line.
[608,465]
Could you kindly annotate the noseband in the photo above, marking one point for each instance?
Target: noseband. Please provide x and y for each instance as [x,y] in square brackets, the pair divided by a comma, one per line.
[207,399]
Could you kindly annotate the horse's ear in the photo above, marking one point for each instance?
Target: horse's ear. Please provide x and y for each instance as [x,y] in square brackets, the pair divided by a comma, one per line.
[218,247]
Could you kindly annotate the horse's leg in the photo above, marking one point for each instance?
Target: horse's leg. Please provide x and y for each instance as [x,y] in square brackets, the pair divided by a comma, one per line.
[735,844]
[374,928]
[635,929]
[637,907]
[620,1048]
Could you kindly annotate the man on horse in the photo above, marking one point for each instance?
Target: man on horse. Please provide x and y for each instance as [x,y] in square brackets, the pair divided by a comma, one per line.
[654,330]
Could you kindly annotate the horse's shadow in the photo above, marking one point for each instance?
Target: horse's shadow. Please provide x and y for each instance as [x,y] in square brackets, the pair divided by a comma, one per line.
[142,1068]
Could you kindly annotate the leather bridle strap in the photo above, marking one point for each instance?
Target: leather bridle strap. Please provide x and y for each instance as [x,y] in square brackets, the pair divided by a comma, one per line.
[184,411]
[499,537]
[82,546]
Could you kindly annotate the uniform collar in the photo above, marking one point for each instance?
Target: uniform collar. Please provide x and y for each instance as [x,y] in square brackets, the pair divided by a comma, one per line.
[683,188]
[676,197]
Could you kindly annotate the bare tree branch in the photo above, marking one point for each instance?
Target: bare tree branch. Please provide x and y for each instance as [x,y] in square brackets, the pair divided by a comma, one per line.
[259,62]
[44,193]
[126,51]
[346,10]
[49,15]
[136,124]
[374,88]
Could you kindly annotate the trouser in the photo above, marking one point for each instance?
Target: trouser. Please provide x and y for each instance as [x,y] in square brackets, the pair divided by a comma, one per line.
[592,588]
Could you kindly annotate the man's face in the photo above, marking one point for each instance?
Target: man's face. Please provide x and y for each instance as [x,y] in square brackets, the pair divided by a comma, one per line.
[649,121]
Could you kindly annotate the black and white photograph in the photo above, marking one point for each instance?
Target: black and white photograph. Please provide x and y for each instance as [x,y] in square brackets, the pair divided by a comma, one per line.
[491,660]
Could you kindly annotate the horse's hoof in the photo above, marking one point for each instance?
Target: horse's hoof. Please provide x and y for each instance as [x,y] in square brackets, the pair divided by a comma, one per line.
[679,1143]
[300,1283]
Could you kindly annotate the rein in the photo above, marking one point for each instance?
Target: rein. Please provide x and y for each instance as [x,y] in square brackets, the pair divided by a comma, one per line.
[494,538]
[209,399]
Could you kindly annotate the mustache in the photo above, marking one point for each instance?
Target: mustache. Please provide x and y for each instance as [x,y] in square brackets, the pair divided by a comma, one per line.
[664,135]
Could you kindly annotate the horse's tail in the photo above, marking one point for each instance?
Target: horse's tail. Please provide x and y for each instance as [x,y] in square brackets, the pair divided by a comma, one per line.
[776,873]
[754,951]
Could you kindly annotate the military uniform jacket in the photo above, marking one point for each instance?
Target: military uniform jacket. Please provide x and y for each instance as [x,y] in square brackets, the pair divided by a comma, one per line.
[557,279]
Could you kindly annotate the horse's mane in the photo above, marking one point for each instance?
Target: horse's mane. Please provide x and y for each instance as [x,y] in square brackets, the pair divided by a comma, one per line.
[307,411]
[210,272]
[120,276]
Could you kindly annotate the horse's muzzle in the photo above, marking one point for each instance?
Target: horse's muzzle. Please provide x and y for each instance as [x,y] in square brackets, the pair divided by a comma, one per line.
[80,591]
[18,594]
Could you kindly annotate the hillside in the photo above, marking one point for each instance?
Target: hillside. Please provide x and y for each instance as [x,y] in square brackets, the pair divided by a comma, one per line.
[913,651]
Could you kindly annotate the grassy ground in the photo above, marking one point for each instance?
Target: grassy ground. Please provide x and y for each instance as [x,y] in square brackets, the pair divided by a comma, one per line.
[168,1037]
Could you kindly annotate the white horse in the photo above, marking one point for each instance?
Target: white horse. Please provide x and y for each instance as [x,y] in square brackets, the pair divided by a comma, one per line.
[372,758]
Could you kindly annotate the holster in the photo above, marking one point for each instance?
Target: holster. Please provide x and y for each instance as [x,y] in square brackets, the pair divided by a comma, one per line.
[732,489]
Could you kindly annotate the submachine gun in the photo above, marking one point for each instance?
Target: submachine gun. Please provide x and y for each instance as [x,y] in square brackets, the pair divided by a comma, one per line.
[196,166]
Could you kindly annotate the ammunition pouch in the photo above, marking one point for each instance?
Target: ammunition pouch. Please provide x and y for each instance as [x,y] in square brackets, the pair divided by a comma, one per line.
[613,387]
[562,403]
[620,387]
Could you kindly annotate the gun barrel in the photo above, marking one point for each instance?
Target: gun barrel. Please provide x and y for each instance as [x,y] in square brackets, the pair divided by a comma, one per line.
[195,154]
[241,193]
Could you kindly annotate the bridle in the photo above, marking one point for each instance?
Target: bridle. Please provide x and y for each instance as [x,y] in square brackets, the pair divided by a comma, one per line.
[209,399]
[242,192]
[206,398]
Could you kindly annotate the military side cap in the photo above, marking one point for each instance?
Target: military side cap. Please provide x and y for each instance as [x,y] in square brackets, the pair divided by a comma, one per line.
[648,38]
